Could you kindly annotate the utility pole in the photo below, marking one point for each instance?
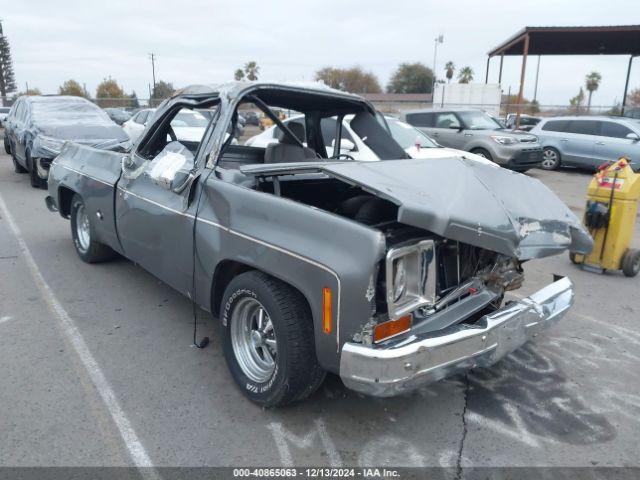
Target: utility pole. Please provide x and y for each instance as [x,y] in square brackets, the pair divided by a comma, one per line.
[153,70]
[437,40]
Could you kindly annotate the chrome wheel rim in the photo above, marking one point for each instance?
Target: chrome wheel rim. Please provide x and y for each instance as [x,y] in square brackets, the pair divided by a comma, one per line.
[83,232]
[253,340]
[549,159]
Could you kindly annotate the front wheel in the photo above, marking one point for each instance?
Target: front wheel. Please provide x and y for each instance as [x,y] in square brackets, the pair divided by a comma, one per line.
[268,340]
[34,178]
[482,153]
[82,233]
[550,159]
[7,146]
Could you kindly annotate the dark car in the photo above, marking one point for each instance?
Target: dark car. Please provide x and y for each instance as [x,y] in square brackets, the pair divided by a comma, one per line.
[251,117]
[390,273]
[38,126]
[118,115]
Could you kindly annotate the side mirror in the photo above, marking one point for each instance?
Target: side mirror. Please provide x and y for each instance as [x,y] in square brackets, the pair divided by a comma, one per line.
[345,144]
[633,136]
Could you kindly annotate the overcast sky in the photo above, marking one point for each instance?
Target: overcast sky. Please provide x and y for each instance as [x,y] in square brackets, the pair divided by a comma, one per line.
[204,41]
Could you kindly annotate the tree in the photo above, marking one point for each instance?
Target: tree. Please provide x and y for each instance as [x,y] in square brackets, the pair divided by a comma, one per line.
[251,70]
[353,79]
[577,102]
[449,68]
[110,94]
[592,82]
[71,87]
[161,91]
[411,78]
[465,75]
[633,98]
[7,77]
[238,74]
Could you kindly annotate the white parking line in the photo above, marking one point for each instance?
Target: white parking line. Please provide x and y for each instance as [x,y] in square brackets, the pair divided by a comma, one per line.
[5,319]
[134,446]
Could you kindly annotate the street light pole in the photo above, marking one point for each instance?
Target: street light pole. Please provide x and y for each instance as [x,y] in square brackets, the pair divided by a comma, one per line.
[153,70]
[437,40]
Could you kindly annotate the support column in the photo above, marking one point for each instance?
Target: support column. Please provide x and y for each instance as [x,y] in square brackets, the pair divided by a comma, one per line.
[626,86]
[525,53]
[500,74]
[486,78]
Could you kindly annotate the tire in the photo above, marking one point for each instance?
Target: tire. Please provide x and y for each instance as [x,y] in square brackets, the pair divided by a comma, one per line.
[7,147]
[82,233]
[483,153]
[273,360]
[574,259]
[16,166]
[34,178]
[550,159]
[631,262]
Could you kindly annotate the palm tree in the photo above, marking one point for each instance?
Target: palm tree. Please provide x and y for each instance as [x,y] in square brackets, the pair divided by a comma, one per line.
[592,82]
[251,69]
[238,74]
[450,68]
[465,75]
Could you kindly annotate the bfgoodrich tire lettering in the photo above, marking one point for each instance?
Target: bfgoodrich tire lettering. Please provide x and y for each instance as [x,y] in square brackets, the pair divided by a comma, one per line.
[295,373]
[83,236]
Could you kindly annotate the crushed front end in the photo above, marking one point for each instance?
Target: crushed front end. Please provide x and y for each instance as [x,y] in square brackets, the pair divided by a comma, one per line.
[438,313]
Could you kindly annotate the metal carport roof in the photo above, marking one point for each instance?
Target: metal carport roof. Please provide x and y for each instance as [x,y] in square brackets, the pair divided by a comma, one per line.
[595,40]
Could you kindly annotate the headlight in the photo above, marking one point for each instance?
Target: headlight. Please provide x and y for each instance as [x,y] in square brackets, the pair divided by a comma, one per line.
[503,140]
[410,278]
[399,279]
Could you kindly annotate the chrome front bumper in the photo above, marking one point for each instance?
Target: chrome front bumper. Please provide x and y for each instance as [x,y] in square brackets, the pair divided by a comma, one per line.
[384,371]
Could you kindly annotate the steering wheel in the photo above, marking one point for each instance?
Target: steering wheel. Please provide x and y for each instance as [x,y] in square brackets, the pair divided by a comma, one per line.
[346,156]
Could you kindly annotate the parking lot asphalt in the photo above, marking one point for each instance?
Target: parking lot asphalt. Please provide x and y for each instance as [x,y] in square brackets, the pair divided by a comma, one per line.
[569,398]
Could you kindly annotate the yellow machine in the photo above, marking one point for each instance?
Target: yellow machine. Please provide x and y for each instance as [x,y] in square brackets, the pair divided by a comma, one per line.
[610,216]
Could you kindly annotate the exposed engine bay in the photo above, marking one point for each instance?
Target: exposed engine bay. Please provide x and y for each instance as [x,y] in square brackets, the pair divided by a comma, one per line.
[460,270]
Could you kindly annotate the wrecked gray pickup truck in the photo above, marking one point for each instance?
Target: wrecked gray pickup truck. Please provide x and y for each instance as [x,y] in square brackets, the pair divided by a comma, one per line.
[388,273]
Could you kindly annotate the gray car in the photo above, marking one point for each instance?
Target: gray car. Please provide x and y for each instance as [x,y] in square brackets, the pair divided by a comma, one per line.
[588,142]
[390,273]
[477,132]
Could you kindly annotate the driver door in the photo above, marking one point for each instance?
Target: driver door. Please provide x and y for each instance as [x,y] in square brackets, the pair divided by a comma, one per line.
[155,222]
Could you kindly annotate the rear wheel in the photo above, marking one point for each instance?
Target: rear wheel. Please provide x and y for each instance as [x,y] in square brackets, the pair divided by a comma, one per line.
[268,340]
[7,146]
[482,153]
[550,159]
[82,233]
[631,262]
[34,178]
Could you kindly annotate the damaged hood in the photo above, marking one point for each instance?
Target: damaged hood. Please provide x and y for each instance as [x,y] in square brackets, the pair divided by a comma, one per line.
[460,199]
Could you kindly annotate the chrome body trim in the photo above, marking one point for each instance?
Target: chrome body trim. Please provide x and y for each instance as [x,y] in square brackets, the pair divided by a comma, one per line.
[410,362]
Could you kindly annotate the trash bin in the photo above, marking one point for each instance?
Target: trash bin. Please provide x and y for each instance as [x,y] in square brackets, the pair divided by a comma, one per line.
[610,215]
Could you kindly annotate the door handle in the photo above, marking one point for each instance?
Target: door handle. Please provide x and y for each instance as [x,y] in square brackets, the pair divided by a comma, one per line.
[565,139]
[468,134]
[599,143]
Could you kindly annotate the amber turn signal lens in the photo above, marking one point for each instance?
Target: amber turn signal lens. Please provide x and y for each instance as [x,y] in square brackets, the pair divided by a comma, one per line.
[391,328]
[327,321]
